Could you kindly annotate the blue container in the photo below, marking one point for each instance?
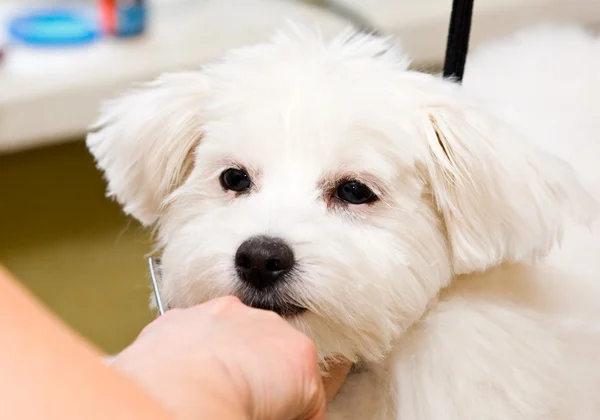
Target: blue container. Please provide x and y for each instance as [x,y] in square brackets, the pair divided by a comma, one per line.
[53,27]
[131,18]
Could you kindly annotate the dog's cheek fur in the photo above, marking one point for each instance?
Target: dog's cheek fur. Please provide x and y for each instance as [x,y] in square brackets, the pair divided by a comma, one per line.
[199,236]
[368,284]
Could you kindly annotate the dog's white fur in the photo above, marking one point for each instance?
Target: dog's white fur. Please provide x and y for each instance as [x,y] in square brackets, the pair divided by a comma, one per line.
[437,290]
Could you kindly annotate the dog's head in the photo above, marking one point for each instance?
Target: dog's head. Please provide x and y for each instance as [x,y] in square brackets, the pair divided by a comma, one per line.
[325,181]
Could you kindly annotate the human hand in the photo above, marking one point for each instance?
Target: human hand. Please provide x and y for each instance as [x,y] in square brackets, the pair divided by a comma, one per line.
[223,359]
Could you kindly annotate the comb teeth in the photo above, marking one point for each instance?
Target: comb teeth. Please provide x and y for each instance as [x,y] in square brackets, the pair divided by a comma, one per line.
[154,267]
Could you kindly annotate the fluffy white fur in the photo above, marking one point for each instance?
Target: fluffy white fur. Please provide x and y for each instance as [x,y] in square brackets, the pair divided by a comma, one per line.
[439,291]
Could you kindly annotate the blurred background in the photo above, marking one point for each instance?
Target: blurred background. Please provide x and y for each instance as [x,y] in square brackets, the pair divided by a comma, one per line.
[67,243]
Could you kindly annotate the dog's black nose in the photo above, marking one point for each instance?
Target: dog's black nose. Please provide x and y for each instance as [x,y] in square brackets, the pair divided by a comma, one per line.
[261,260]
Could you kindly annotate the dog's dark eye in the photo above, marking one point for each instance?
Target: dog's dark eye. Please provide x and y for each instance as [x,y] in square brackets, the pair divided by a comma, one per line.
[235,180]
[355,192]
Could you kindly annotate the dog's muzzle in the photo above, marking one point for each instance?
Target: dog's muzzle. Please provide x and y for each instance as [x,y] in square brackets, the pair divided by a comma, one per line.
[264,266]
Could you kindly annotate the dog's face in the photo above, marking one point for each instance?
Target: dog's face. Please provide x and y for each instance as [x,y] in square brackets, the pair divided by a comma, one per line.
[327,183]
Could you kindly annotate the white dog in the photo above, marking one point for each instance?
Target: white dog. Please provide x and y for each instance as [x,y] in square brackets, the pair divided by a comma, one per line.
[396,218]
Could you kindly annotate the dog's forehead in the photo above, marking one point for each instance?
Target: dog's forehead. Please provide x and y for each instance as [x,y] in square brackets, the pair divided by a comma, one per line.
[324,109]
[330,135]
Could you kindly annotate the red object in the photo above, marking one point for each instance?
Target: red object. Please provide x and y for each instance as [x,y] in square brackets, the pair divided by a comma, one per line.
[108,16]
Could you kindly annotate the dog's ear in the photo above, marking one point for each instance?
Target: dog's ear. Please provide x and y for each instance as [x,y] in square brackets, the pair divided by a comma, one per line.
[501,198]
[144,141]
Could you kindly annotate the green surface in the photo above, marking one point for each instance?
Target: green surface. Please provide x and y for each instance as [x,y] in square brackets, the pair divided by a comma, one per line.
[71,246]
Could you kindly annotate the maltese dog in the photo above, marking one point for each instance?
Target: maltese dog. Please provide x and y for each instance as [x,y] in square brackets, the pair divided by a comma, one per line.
[402,221]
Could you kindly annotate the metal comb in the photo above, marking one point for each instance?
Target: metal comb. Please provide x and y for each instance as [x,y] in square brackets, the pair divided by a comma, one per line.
[154,266]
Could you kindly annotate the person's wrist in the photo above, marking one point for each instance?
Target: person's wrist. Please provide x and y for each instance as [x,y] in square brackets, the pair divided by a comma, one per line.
[209,390]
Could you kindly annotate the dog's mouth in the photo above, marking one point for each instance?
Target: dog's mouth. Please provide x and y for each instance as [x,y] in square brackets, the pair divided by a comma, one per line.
[275,304]
[285,310]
